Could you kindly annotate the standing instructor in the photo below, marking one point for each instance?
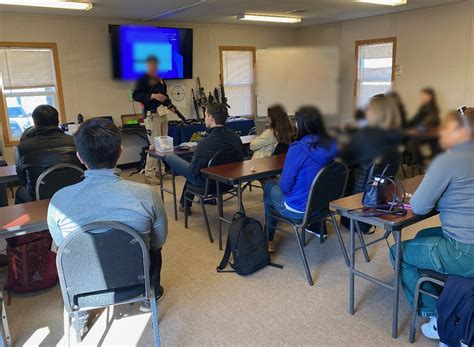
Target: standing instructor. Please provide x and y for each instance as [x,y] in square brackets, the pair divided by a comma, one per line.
[151,91]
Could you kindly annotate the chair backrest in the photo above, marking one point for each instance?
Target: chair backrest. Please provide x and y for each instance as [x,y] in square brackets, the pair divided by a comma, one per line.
[101,258]
[328,185]
[57,177]
[281,148]
[224,156]
[253,131]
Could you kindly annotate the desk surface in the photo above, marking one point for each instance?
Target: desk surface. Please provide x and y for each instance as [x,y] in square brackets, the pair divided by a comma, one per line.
[242,171]
[8,174]
[354,202]
[19,219]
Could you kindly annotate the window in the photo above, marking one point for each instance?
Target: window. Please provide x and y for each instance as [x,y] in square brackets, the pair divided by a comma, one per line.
[237,65]
[375,68]
[29,76]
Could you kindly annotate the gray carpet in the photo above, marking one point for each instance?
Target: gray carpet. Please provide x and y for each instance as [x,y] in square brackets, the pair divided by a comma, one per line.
[202,307]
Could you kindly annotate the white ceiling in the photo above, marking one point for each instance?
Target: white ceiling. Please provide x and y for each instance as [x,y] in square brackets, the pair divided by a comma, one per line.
[225,11]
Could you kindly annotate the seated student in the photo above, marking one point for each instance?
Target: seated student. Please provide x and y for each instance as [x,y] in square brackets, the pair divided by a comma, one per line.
[218,138]
[428,113]
[447,186]
[379,139]
[104,196]
[312,150]
[279,130]
[41,147]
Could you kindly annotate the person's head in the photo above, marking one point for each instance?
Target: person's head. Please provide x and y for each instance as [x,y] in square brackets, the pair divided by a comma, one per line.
[152,63]
[309,121]
[280,124]
[216,115]
[383,113]
[98,144]
[45,116]
[428,97]
[457,128]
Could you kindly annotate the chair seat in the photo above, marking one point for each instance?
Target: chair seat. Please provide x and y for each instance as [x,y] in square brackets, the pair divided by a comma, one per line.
[110,297]
[433,274]
[292,220]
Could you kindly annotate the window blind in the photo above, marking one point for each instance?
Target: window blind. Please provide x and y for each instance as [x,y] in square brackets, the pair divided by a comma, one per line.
[27,68]
[238,79]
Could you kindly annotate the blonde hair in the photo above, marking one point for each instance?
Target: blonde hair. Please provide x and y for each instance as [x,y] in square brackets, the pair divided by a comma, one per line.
[387,114]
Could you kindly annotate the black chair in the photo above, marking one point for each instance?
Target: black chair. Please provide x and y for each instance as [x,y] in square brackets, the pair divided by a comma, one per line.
[101,265]
[253,131]
[208,192]
[281,148]
[328,185]
[429,276]
[55,178]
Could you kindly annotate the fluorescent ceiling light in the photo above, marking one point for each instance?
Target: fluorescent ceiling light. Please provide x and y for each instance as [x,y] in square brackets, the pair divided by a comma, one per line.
[265,18]
[385,2]
[63,4]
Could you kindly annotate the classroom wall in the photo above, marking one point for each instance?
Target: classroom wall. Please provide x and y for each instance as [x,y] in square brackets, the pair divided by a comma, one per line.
[434,48]
[85,58]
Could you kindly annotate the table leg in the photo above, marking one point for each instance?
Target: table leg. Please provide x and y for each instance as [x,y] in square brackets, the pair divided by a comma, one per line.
[160,174]
[396,281]
[173,184]
[4,331]
[352,266]
[220,212]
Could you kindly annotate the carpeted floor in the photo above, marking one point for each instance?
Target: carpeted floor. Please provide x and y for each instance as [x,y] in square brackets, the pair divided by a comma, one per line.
[202,307]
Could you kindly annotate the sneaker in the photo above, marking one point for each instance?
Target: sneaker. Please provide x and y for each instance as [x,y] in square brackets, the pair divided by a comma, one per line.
[271,246]
[145,304]
[316,233]
[181,209]
[154,181]
[430,329]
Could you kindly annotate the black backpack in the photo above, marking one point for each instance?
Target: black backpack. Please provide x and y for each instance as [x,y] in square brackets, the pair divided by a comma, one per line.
[247,242]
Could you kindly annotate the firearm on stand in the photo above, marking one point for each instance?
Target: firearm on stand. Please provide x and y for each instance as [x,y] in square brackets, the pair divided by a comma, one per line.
[223,97]
[210,98]
[216,95]
[202,96]
[196,105]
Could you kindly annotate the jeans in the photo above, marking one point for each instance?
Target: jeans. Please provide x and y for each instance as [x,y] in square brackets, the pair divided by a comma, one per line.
[182,167]
[273,197]
[432,250]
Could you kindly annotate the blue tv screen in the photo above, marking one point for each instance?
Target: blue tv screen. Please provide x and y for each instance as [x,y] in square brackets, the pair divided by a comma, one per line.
[132,45]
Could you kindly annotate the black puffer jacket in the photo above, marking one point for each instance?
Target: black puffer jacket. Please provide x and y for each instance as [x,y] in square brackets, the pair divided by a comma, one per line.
[39,149]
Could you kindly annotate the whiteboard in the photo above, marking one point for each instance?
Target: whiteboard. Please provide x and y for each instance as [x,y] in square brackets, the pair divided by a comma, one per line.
[297,76]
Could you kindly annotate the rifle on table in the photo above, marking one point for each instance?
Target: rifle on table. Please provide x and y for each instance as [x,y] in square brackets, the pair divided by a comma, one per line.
[210,98]
[223,97]
[216,95]
[196,105]
[202,96]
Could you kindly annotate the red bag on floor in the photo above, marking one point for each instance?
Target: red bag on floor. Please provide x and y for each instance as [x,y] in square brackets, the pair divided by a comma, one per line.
[31,263]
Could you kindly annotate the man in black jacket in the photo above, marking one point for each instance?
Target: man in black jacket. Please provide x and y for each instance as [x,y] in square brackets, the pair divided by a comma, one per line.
[41,147]
[151,92]
[219,138]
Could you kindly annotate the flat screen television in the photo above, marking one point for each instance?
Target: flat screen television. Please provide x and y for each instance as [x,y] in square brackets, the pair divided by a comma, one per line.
[132,45]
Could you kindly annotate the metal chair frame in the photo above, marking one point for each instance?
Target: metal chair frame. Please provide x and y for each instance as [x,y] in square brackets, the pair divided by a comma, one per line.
[40,179]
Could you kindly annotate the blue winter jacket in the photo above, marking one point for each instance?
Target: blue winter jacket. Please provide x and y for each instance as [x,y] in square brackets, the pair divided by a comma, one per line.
[302,164]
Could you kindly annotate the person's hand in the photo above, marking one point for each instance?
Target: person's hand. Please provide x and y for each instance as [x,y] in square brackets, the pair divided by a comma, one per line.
[159,97]
[173,109]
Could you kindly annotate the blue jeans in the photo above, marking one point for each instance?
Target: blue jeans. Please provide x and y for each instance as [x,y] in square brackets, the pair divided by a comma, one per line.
[273,197]
[182,167]
[432,250]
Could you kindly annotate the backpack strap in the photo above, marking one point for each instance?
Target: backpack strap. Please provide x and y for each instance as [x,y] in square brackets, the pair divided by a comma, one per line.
[225,258]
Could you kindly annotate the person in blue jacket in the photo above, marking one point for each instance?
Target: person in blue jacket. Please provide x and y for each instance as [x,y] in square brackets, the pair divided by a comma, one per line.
[312,150]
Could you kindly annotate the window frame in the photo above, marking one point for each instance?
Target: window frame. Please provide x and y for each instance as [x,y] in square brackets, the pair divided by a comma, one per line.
[369,42]
[8,142]
[251,49]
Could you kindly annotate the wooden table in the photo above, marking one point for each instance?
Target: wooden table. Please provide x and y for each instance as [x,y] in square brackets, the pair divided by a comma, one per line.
[19,220]
[391,225]
[242,172]
[8,174]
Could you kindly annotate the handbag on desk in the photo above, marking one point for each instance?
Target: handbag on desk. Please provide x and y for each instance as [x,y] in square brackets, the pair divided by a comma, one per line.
[383,195]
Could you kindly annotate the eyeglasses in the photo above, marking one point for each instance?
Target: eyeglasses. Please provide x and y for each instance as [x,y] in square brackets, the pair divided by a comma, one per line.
[463,116]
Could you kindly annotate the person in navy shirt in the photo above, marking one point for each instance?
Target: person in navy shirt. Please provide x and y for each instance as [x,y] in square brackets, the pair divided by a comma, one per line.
[312,150]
